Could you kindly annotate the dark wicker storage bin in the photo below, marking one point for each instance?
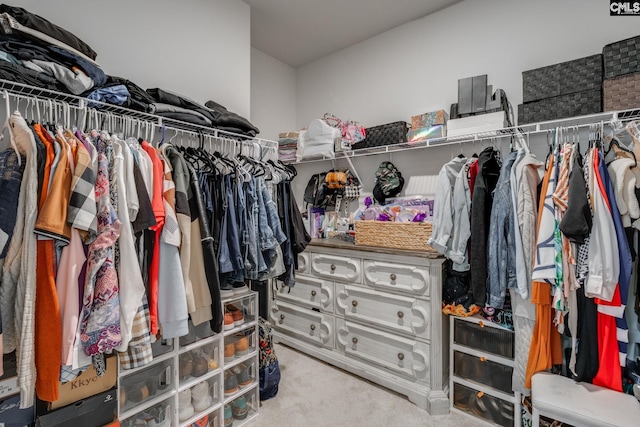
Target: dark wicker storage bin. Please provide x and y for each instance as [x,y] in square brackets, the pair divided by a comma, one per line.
[579,75]
[560,107]
[622,57]
[390,133]
[622,93]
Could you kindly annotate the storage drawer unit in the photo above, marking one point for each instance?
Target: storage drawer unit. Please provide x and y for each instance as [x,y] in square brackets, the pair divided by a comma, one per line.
[375,312]
[481,356]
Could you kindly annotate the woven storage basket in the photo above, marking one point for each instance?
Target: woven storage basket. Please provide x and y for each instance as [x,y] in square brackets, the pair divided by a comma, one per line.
[394,235]
[622,93]
[388,134]
[579,75]
[622,57]
[559,107]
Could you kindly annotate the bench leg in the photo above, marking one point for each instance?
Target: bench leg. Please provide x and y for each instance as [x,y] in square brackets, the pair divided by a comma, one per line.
[535,418]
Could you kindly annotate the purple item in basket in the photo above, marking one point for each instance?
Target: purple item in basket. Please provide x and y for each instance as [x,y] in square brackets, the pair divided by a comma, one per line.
[421,216]
[368,201]
[383,217]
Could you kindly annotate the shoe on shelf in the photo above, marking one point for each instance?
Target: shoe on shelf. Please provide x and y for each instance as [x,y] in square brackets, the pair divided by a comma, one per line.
[236,313]
[228,416]
[239,408]
[228,321]
[241,345]
[240,288]
[226,290]
[200,396]
[184,403]
[243,375]
[229,352]
[230,383]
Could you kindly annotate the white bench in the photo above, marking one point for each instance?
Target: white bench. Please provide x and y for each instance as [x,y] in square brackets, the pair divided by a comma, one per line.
[581,404]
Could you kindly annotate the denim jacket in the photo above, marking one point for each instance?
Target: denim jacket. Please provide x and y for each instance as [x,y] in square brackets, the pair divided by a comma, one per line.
[501,247]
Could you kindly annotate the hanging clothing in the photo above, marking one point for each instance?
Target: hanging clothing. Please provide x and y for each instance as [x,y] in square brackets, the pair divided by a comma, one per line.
[17,293]
[100,322]
[488,172]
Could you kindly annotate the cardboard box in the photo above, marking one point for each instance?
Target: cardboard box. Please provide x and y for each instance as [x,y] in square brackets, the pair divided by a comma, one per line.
[96,411]
[426,120]
[87,384]
[475,124]
[12,416]
[417,135]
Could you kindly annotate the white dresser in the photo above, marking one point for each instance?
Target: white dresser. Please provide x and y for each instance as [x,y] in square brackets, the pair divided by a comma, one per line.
[373,312]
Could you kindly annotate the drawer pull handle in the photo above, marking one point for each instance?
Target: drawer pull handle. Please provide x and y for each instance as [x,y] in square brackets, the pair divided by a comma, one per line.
[483,359]
[333,267]
[400,314]
[393,277]
[313,293]
[354,303]
[354,340]
[480,394]
[401,356]
[313,327]
[282,317]
[481,323]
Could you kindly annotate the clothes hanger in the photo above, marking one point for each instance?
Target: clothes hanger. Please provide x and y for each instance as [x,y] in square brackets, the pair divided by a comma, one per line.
[12,141]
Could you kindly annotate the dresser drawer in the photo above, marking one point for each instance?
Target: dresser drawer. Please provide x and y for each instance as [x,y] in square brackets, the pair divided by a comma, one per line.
[337,267]
[400,314]
[303,323]
[310,292]
[303,262]
[404,278]
[405,357]
[483,371]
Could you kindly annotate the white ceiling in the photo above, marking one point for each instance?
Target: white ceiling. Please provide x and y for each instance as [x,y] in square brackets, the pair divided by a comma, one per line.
[298,32]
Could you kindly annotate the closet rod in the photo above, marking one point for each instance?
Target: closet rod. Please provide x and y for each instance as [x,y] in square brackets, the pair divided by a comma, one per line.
[604,119]
[78,101]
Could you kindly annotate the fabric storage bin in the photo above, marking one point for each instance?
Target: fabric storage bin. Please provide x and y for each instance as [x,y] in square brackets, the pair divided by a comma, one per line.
[387,134]
[622,93]
[560,107]
[482,337]
[579,75]
[621,57]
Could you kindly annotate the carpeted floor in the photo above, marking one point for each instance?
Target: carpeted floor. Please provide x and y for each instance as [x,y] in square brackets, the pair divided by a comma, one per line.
[315,394]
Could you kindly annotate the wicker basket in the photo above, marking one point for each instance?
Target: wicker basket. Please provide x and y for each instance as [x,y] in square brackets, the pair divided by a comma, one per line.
[579,75]
[394,235]
[622,93]
[622,57]
[391,133]
[560,107]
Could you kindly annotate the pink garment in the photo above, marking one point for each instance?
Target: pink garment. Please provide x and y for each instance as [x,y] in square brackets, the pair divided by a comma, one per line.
[70,265]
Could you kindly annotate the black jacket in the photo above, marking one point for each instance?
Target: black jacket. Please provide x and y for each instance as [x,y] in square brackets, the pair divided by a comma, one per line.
[488,172]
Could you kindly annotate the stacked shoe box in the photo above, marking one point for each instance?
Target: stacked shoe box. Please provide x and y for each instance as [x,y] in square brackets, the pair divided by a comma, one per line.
[621,87]
[481,357]
[567,89]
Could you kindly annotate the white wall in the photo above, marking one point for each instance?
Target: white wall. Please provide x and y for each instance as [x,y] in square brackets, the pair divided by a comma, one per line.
[415,68]
[273,95]
[199,48]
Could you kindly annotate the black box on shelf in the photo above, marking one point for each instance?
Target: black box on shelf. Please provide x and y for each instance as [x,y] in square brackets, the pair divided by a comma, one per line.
[621,57]
[560,107]
[579,75]
[387,134]
[95,411]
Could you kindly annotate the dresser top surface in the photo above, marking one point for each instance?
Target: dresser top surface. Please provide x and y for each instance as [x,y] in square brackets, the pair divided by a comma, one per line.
[338,244]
